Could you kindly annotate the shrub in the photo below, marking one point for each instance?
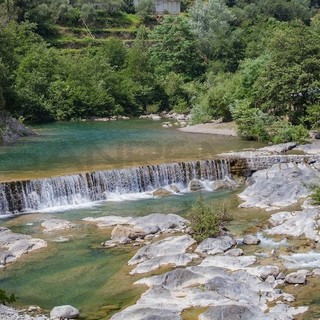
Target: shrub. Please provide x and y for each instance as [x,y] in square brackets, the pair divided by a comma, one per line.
[206,222]
[4,298]
[315,196]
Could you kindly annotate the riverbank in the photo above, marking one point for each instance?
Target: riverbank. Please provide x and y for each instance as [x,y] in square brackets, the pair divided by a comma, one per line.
[223,128]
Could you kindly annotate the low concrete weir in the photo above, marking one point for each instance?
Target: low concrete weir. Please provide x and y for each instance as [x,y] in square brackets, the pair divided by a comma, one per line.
[39,194]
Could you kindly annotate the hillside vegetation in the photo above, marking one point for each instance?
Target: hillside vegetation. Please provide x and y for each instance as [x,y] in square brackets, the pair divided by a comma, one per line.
[255,62]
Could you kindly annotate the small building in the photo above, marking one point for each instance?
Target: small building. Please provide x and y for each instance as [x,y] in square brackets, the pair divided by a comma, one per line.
[165,6]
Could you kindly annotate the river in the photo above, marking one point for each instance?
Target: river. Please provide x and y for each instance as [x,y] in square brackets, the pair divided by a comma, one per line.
[74,269]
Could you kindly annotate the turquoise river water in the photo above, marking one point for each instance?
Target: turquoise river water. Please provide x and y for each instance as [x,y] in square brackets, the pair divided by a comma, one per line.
[74,268]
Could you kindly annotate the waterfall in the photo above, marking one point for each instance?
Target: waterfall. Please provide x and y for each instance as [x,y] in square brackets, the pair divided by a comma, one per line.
[31,195]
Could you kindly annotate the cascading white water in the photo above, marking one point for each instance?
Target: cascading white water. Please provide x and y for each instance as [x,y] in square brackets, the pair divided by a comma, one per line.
[24,196]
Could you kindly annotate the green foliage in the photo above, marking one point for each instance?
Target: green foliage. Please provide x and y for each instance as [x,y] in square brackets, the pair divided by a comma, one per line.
[313,116]
[206,222]
[315,196]
[5,299]
[209,22]
[144,8]
[174,48]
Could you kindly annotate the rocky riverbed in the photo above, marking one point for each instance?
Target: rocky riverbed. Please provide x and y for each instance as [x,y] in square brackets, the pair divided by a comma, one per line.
[249,276]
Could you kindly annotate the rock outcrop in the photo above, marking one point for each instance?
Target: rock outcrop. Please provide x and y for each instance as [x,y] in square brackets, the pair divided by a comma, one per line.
[280,186]
[304,223]
[14,245]
[56,224]
[11,130]
[170,250]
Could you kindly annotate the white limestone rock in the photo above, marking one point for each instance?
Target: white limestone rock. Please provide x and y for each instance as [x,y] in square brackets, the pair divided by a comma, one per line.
[296,278]
[56,224]
[296,224]
[216,245]
[64,312]
[169,251]
[14,245]
[281,185]
[109,221]
[251,240]
[229,262]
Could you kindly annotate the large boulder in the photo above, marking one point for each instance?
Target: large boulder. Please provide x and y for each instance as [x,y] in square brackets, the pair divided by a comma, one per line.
[251,240]
[109,221]
[281,185]
[161,192]
[64,312]
[296,278]
[195,185]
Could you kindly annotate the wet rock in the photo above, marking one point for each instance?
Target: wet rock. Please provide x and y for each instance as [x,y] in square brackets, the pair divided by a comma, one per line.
[174,188]
[64,312]
[110,221]
[14,245]
[281,185]
[162,192]
[296,278]
[317,135]
[251,240]
[195,185]
[56,224]
[220,184]
[216,245]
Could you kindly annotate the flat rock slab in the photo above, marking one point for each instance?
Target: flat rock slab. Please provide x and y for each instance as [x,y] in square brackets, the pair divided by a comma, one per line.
[109,221]
[14,245]
[216,245]
[229,262]
[56,224]
[281,185]
[296,224]
[171,250]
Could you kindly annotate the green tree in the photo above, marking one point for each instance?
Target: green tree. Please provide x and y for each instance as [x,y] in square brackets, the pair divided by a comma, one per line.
[290,80]
[209,22]
[175,48]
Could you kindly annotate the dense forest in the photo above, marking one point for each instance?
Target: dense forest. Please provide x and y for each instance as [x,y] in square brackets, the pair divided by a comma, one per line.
[253,61]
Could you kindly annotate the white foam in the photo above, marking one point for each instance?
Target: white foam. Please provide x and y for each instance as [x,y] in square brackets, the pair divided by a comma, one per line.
[269,242]
[302,260]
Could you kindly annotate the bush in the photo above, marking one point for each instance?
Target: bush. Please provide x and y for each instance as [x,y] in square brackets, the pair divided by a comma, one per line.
[4,298]
[206,222]
[283,131]
[315,196]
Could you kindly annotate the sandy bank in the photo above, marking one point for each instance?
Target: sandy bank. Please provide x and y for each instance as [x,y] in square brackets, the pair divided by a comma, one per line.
[225,128]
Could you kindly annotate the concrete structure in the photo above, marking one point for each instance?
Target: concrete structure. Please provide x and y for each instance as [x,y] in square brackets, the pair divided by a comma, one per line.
[165,6]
